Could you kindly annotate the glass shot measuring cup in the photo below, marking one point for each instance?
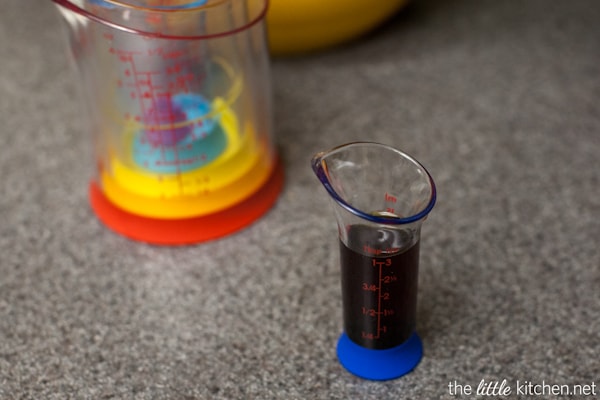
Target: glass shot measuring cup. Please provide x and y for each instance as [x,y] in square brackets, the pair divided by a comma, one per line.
[380,198]
[178,96]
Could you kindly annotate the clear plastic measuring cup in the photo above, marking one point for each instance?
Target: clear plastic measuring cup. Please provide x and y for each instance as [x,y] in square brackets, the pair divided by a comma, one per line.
[380,197]
[179,103]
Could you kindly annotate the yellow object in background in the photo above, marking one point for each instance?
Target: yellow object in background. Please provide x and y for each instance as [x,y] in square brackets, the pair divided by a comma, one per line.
[300,26]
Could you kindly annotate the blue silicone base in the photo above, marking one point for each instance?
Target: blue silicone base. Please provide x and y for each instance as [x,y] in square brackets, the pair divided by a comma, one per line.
[380,365]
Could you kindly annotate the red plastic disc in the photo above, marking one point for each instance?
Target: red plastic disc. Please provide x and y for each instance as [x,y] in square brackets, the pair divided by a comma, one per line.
[188,230]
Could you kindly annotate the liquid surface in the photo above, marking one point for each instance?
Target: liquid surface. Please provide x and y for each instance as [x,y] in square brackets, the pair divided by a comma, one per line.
[379,290]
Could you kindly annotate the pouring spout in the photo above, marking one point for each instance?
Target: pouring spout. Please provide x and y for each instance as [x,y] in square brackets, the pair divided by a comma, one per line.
[376,182]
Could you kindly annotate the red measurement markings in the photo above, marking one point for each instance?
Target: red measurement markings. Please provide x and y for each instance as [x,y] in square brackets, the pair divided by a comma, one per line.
[378,289]
[159,51]
[174,67]
[390,199]
[371,312]
[376,252]
[150,87]
[124,55]
[380,265]
[369,287]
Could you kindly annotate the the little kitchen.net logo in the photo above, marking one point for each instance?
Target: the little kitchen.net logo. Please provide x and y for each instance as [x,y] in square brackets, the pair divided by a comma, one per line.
[523,389]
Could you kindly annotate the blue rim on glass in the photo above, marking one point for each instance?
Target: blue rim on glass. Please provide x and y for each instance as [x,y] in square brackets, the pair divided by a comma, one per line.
[320,168]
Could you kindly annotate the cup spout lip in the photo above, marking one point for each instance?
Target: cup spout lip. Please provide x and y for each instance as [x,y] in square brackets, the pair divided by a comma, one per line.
[320,168]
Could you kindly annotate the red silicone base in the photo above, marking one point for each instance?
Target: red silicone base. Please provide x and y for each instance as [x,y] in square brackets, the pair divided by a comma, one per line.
[188,230]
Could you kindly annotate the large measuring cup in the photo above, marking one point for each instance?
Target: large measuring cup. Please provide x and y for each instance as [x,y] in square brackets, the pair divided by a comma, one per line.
[380,197]
[179,103]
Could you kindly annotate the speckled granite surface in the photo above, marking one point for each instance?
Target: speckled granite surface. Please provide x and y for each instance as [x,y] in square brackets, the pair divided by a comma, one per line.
[500,100]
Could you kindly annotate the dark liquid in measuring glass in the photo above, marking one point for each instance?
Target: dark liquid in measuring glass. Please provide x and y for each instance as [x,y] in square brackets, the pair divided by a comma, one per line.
[379,286]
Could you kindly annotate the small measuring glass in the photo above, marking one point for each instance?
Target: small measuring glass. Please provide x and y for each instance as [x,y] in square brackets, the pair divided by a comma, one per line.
[380,197]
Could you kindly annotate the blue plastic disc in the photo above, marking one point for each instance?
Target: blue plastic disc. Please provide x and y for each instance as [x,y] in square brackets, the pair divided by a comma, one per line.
[183,149]
[380,365]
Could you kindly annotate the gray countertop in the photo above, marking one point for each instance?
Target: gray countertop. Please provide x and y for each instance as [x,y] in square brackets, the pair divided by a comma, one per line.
[500,100]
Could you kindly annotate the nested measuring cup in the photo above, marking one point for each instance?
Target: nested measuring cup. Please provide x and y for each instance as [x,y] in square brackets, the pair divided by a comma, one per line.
[380,198]
[179,103]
